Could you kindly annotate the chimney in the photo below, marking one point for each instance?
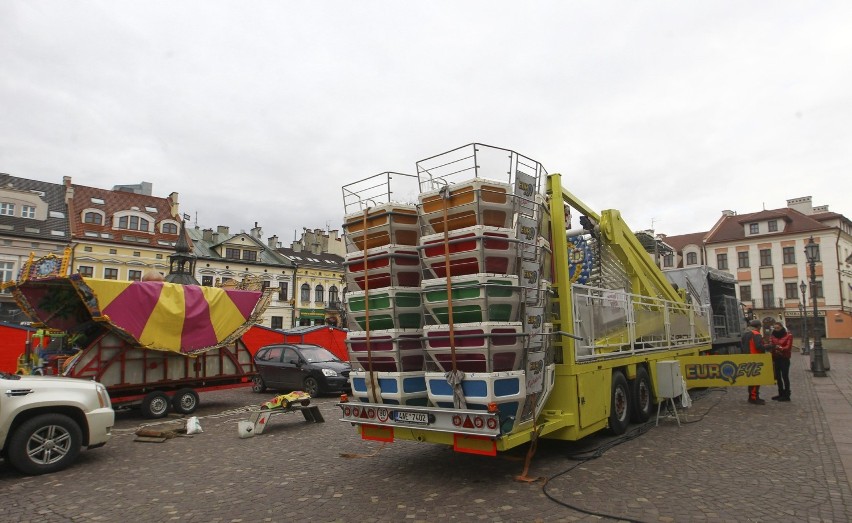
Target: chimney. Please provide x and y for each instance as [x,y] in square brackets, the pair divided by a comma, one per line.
[728,212]
[272,242]
[207,235]
[222,229]
[174,205]
[803,204]
[256,232]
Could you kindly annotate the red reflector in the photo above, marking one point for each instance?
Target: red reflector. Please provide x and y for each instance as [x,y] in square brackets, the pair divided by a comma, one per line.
[467,423]
[363,414]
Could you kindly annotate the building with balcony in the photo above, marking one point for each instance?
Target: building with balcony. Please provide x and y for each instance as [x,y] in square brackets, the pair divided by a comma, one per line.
[319,278]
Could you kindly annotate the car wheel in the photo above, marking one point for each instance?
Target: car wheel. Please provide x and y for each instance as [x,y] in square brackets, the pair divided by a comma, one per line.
[642,395]
[311,386]
[185,401]
[155,405]
[257,384]
[44,444]
[619,412]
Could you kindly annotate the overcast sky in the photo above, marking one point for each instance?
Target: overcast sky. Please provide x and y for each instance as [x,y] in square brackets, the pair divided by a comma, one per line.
[260,111]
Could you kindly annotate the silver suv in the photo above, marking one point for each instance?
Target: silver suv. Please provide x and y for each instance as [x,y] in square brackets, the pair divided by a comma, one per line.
[45,420]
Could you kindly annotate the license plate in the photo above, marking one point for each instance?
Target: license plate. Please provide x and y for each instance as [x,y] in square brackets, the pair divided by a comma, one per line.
[419,418]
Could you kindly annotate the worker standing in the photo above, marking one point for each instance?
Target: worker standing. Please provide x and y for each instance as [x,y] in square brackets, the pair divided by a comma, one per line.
[782,349]
[752,343]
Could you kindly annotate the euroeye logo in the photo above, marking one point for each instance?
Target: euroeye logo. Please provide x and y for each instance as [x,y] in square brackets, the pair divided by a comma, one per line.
[727,371]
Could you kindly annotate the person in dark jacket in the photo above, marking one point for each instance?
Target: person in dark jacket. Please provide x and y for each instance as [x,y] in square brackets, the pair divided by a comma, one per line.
[782,348]
[752,343]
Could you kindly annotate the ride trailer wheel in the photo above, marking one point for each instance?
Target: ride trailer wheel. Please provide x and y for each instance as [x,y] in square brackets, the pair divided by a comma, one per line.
[45,443]
[619,412]
[155,405]
[642,396]
[185,401]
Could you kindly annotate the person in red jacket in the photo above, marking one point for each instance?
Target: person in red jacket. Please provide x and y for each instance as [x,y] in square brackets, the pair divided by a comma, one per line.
[782,349]
[752,343]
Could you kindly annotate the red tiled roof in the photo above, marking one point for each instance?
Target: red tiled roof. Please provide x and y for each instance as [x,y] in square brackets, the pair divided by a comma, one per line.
[731,228]
[682,240]
[117,201]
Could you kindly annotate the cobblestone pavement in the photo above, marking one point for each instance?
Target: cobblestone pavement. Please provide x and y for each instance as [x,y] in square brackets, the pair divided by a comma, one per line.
[731,462]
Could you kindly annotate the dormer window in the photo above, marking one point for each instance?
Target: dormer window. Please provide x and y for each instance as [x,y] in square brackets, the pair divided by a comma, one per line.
[170,228]
[773,225]
[753,228]
[93,217]
[133,223]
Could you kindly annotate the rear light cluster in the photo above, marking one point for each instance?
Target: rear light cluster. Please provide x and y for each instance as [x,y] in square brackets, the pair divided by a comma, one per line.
[474,422]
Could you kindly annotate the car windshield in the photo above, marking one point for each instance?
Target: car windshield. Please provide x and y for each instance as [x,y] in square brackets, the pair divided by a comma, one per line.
[317,354]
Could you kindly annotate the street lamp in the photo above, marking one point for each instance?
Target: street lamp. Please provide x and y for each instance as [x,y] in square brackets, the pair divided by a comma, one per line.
[806,347]
[818,365]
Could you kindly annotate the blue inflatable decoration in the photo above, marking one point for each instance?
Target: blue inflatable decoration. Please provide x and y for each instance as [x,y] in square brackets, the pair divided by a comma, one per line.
[579,260]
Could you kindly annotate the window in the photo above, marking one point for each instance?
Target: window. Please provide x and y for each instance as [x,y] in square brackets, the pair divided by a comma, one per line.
[282,291]
[742,259]
[768,295]
[159,256]
[86,271]
[333,297]
[789,254]
[691,258]
[170,228]
[110,274]
[7,272]
[722,261]
[133,275]
[27,211]
[113,251]
[137,254]
[305,295]
[290,356]
[817,290]
[250,255]
[232,254]
[207,281]
[765,257]
[773,225]
[133,223]
[753,228]
[271,354]
[87,248]
[93,217]
[277,322]
[791,290]
[7,209]
[745,292]
[318,294]
[265,284]
[668,260]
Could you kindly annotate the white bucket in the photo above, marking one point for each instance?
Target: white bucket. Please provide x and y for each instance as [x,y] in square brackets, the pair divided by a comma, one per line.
[245,429]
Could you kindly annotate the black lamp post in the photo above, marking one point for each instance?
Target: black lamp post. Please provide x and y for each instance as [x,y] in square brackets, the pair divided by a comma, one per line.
[818,365]
[806,347]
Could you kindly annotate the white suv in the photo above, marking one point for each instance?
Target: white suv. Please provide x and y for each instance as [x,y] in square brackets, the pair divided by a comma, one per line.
[45,420]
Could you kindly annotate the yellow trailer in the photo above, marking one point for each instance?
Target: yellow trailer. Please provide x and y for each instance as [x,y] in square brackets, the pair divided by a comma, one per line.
[620,338]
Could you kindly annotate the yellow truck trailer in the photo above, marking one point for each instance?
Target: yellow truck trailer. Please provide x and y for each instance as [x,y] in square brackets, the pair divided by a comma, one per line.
[481,316]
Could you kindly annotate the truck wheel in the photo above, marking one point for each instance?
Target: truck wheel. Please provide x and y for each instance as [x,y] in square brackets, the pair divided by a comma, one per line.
[185,401]
[45,443]
[155,405]
[619,411]
[257,384]
[642,396]
[311,386]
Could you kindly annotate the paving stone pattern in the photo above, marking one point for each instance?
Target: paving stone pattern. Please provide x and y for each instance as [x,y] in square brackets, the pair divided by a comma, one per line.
[731,461]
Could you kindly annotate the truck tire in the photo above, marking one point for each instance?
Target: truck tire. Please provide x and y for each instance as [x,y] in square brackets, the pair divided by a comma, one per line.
[155,405]
[257,384]
[45,443]
[619,411]
[185,401]
[642,396]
